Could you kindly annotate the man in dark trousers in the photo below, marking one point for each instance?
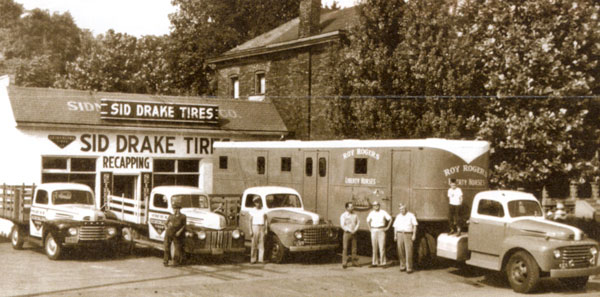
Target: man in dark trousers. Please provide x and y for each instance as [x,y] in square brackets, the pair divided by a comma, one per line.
[175,233]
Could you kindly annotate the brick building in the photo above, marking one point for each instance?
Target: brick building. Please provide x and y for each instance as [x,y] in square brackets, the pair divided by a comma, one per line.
[290,66]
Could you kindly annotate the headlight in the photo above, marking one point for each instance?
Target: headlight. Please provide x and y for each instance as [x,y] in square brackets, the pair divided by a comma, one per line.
[111,231]
[594,251]
[73,231]
[201,235]
[298,234]
[330,233]
[556,254]
[236,234]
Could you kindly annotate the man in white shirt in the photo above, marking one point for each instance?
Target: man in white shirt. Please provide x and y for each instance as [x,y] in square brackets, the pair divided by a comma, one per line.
[455,199]
[378,221]
[405,233]
[258,221]
[349,222]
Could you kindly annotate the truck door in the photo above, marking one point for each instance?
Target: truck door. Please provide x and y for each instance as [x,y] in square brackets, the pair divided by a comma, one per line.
[39,209]
[309,193]
[401,168]
[158,213]
[486,227]
[316,182]
[247,205]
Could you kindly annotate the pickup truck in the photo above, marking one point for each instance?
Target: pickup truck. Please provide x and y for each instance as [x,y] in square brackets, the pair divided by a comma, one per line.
[291,228]
[144,222]
[508,232]
[60,215]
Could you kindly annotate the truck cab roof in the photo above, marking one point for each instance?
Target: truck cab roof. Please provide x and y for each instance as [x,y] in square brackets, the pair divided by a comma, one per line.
[270,190]
[504,196]
[62,186]
[173,190]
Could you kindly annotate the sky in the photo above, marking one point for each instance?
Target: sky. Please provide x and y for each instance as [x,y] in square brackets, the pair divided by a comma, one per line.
[134,17]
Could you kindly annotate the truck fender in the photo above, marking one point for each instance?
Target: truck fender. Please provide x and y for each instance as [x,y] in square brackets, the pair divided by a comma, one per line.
[537,247]
[283,231]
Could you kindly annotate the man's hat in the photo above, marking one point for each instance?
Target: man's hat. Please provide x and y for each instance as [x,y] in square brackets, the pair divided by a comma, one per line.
[375,203]
[175,203]
[256,199]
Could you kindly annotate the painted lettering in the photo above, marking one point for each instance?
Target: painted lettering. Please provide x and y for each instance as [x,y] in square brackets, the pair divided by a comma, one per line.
[348,154]
[475,169]
[99,142]
[368,153]
[120,162]
[451,170]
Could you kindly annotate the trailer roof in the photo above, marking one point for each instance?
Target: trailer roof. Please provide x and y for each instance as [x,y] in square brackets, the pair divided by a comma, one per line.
[468,150]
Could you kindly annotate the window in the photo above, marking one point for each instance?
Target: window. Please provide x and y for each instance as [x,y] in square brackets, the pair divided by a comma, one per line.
[490,208]
[83,164]
[223,162]
[261,83]
[235,87]
[250,200]
[360,165]
[191,200]
[124,185]
[521,208]
[164,165]
[54,163]
[160,201]
[67,169]
[171,172]
[309,167]
[188,166]
[260,165]
[41,197]
[283,200]
[286,164]
[322,167]
[72,197]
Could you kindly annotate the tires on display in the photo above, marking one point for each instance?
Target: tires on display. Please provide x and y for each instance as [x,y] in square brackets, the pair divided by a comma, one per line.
[523,272]
[16,238]
[52,247]
[575,282]
[278,251]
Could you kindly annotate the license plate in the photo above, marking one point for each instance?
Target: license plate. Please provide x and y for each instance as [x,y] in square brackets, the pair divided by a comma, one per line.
[71,239]
[216,251]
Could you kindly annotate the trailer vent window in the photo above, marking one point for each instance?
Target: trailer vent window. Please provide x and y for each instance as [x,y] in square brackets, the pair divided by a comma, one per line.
[322,167]
[286,164]
[223,162]
[260,165]
[309,166]
[360,166]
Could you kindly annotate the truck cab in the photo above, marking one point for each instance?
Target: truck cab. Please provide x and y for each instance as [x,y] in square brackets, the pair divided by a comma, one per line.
[291,228]
[64,215]
[507,231]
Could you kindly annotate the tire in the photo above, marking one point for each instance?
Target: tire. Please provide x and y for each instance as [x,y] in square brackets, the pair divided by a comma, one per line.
[127,244]
[52,248]
[278,251]
[575,282]
[16,238]
[425,251]
[523,272]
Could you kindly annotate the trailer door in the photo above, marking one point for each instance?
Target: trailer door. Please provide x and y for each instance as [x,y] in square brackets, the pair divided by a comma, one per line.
[401,168]
[316,182]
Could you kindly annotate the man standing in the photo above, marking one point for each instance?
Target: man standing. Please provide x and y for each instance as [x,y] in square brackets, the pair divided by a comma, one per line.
[258,221]
[405,233]
[175,233]
[349,223]
[379,221]
[455,199]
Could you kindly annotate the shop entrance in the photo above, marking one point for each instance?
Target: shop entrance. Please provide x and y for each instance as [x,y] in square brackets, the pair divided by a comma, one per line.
[125,186]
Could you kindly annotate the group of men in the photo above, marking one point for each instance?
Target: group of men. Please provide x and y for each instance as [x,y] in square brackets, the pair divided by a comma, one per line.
[405,230]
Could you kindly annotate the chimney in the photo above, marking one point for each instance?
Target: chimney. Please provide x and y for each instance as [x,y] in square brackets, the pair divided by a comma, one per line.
[310,18]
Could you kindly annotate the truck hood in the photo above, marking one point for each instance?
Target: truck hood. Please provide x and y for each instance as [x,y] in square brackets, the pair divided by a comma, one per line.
[545,228]
[293,215]
[78,212]
[202,217]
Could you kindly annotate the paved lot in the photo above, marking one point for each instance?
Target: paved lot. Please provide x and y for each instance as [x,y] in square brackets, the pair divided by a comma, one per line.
[29,272]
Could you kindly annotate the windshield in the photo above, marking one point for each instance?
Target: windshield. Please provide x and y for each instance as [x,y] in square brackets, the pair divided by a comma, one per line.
[524,208]
[72,197]
[283,200]
[199,201]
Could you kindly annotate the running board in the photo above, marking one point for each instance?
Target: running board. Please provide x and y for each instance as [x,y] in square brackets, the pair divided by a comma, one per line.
[488,261]
[150,244]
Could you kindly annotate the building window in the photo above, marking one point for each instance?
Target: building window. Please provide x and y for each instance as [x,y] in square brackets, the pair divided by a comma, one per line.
[171,172]
[124,185]
[360,166]
[261,83]
[286,164]
[67,169]
[260,165]
[309,167]
[223,162]
[235,87]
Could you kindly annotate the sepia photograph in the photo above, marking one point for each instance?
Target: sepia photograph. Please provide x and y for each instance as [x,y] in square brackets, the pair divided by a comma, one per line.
[300,148]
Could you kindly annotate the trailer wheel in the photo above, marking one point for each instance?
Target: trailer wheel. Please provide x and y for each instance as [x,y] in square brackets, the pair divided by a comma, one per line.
[523,272]
[425,250]
[52,247]
[16,238]
[575,282]
[278,251]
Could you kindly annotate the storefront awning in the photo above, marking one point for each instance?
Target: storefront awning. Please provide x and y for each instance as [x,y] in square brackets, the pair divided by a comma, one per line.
[59,107]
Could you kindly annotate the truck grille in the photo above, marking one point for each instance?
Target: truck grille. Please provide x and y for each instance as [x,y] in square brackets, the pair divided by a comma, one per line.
[92,233]
[220,239]
[576,256]
[314,236]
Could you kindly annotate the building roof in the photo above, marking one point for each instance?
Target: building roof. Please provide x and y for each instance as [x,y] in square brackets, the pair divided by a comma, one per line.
[286,36]
[61,107]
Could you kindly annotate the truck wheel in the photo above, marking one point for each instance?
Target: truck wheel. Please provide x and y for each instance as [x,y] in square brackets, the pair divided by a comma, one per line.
[575,282]
[52,247]
[278,251]
[425,251]
[16,238]
[127,241]
[523,272]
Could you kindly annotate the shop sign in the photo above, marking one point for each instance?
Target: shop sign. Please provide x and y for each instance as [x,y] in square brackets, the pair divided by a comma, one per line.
[61,140]
[111,109]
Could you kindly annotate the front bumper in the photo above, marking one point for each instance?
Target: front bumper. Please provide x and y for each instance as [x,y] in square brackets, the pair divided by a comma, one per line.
[574,272]
[310,248]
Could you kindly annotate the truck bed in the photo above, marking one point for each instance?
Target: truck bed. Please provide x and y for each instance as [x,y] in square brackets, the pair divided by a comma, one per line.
[15,202]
